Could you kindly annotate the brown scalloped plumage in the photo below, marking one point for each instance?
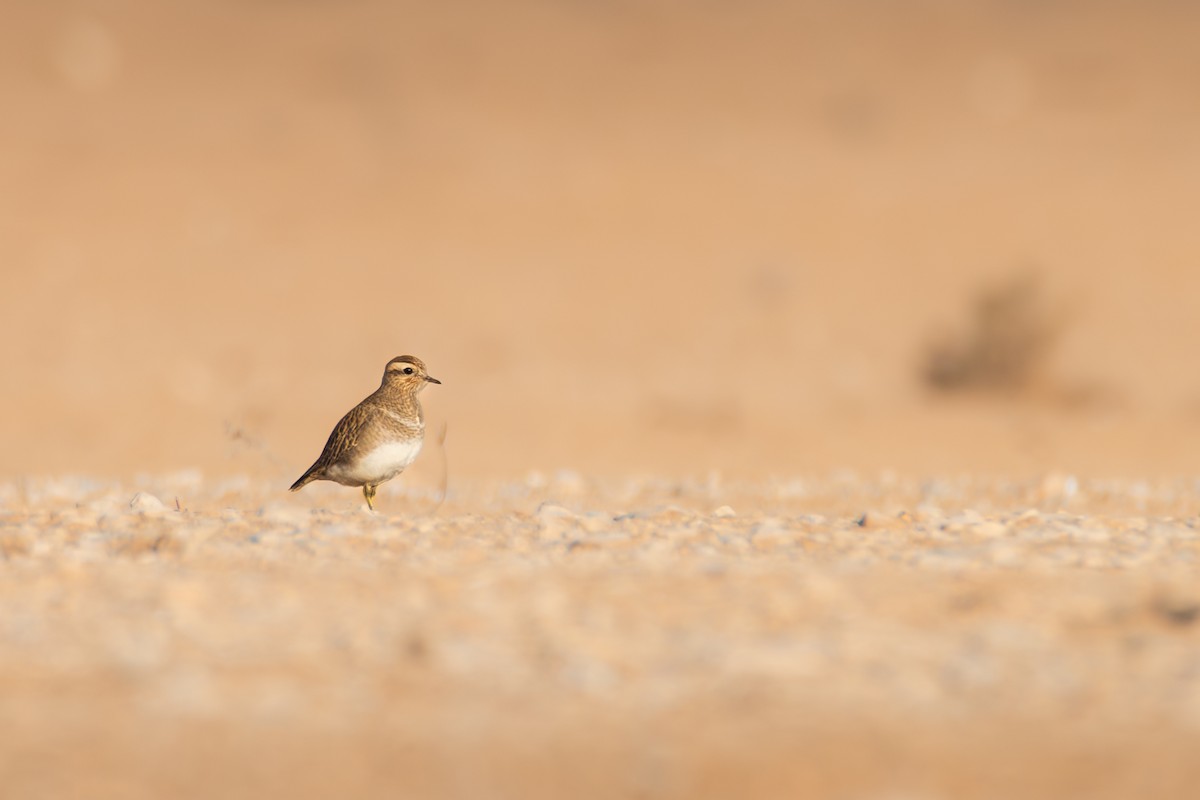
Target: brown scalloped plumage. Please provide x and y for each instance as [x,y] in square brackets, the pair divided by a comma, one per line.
[379,436]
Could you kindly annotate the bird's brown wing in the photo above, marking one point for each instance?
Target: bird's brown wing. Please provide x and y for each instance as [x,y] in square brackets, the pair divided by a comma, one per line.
[342,443]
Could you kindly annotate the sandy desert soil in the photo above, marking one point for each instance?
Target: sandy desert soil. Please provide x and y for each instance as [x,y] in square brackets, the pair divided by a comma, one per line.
[851,636]
[927,265]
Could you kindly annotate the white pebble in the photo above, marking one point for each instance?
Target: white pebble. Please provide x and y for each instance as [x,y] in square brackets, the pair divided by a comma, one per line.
[145,503]
[555,520]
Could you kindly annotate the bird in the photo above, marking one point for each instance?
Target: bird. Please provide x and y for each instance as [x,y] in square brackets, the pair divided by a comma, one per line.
[380,436]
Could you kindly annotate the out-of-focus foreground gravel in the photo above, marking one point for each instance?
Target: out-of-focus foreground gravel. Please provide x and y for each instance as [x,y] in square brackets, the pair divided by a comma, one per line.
[843,636]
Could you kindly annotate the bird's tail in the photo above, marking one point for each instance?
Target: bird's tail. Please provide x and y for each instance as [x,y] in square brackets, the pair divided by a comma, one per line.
[305,479]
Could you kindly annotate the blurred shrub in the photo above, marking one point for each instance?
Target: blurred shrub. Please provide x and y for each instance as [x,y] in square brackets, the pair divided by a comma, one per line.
[1004,346]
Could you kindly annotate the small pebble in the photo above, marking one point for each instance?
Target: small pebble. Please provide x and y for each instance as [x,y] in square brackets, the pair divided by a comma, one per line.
[145,503]
[555,520]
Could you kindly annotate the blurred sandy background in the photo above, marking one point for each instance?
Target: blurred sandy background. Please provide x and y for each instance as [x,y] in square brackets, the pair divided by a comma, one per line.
[627,236]
[819,381]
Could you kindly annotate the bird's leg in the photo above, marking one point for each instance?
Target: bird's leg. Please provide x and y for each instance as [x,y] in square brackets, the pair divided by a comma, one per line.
[369,493]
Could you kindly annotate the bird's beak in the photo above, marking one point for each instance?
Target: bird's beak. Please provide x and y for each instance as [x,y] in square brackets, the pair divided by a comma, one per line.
[432,379]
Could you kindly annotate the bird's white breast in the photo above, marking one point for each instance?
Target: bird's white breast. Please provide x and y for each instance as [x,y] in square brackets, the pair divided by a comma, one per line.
[382,463]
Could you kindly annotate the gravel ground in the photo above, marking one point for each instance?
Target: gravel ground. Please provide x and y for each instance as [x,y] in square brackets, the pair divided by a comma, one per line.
[874,637]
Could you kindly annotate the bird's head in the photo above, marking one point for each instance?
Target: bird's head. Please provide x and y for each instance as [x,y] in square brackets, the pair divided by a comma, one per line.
[407,371]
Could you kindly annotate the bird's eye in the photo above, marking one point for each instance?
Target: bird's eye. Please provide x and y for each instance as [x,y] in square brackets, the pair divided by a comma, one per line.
[408,370]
